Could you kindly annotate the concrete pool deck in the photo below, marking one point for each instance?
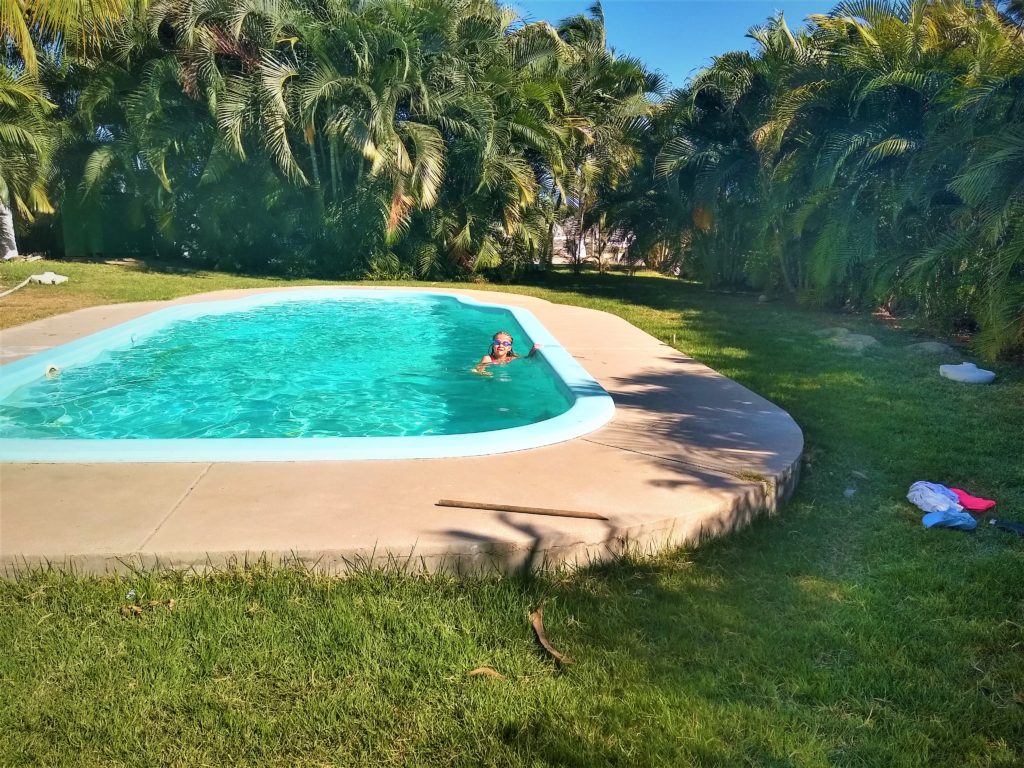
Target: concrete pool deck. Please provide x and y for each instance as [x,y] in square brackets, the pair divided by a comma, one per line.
[690,454]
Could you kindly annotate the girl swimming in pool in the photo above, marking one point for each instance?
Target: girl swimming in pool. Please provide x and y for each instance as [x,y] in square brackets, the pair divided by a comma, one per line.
[501,352]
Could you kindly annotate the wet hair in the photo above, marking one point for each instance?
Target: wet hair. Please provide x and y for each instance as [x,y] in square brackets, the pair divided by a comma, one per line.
[495,335]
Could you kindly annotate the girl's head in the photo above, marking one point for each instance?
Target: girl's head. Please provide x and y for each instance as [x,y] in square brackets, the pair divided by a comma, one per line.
[501,345]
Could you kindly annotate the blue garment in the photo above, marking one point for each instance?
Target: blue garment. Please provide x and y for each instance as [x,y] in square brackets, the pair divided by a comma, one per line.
[962,521]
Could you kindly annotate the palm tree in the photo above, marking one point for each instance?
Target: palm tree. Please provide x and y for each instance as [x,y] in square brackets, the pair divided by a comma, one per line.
[26,148]
[496,204]
[28,139]
[346,102]
[609,106]
[982,253]
[380,111]
[735,155]
[81,23]
[872,158]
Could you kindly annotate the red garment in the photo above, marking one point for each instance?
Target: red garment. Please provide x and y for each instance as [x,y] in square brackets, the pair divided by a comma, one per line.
[973,503]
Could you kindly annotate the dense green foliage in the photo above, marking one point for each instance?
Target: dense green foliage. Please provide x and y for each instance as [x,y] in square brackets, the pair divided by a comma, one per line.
[874,157]
[26,144]
[339,138]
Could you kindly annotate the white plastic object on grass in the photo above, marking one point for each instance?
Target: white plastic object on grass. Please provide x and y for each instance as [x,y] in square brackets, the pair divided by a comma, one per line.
[968,373]
[48,278]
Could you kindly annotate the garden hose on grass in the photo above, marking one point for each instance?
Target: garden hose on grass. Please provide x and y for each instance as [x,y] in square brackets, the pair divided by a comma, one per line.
[22,284]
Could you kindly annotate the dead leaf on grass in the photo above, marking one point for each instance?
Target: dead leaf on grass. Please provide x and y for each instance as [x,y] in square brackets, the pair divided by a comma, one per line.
[537,621]
[131,610]
[486,672]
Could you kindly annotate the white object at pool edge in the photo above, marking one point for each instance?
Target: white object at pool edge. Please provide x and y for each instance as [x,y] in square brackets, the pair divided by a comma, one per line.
[48,278]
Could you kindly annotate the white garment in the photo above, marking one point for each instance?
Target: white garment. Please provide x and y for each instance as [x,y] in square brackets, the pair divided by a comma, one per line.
[928,497]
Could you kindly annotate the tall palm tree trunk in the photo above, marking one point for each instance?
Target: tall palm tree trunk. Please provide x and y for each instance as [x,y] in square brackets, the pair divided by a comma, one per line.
[548,256]
[787,281]
[8,245]
[333,156]
[577,257]
[314,163]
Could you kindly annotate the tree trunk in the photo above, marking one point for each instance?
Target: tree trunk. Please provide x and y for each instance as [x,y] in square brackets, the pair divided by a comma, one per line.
[314,163]
[604,236]
[8,245]
[577,261]
[333,154]
[786,279]
[549,253]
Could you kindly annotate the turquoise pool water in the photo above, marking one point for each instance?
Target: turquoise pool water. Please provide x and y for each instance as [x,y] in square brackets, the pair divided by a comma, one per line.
[312,368]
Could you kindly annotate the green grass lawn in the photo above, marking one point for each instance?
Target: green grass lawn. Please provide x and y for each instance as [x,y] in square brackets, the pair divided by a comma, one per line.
[837,633]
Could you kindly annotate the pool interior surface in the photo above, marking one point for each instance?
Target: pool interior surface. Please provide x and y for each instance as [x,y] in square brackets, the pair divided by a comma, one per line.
[304,368]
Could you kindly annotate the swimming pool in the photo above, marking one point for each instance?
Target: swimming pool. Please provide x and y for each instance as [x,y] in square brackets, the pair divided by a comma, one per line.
[313,374]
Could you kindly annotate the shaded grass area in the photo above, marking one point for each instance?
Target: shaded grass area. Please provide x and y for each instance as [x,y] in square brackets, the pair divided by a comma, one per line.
[840,632]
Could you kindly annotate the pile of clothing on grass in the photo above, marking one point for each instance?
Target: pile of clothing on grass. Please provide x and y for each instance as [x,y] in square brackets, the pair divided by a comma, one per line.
[951,507]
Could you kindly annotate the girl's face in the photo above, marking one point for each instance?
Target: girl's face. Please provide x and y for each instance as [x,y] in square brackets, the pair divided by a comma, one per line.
[501,345]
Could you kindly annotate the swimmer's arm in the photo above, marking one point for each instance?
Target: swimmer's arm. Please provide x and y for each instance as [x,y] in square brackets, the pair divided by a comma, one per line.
[533,349]
[481,367]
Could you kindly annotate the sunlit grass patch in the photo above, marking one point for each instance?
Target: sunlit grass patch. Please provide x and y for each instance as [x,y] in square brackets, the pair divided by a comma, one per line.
[838,632]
